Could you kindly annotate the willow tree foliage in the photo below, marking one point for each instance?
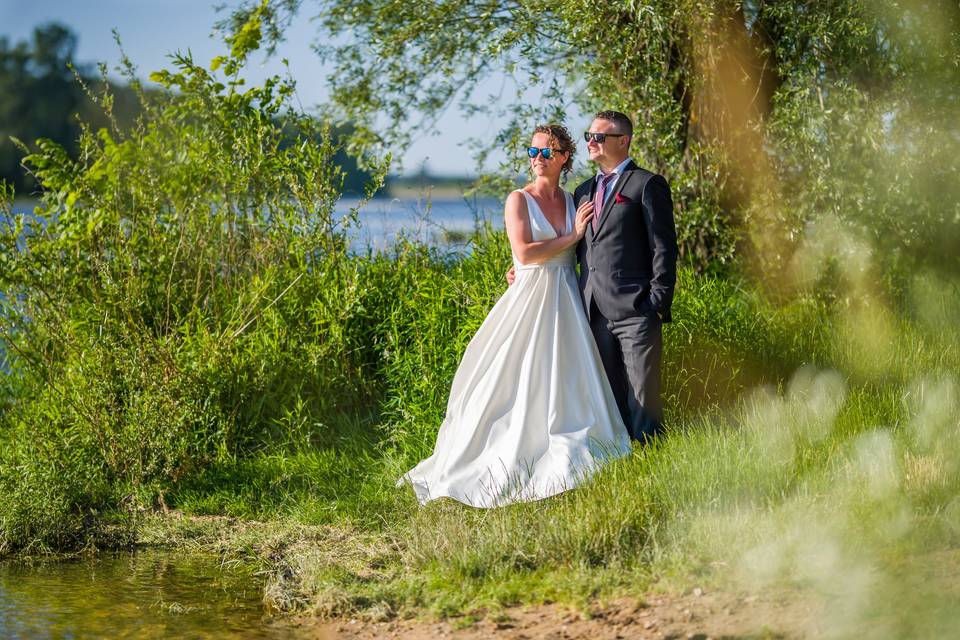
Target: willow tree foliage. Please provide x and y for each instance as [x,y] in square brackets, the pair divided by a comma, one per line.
[764,114]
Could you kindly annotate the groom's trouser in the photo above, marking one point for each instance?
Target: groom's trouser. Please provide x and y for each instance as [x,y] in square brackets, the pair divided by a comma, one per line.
[631,351]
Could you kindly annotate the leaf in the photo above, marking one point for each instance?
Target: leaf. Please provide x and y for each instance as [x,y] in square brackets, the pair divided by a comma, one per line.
[160,77]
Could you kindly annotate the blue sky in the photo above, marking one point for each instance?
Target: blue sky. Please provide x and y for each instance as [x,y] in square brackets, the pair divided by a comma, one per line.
[152,30]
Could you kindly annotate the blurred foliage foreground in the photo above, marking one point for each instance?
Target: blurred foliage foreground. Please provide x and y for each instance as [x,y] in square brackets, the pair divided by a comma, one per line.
[185,328]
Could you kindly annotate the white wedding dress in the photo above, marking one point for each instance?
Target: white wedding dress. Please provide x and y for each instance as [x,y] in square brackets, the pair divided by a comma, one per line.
[530,412]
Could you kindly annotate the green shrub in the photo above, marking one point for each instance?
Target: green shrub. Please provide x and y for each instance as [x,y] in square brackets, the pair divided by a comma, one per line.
[182,295]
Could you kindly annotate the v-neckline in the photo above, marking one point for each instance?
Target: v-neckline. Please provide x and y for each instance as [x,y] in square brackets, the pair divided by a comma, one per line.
[566,213]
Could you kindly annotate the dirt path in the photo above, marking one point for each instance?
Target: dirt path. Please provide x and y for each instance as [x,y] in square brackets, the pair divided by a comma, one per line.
[693,615]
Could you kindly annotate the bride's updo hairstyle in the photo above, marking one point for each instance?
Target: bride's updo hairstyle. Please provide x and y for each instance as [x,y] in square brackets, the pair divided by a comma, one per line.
[563,141]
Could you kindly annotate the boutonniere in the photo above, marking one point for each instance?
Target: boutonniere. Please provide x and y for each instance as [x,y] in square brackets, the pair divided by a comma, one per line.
[621,199]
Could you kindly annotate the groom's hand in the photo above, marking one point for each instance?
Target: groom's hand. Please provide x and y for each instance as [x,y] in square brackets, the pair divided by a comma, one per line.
[511,274]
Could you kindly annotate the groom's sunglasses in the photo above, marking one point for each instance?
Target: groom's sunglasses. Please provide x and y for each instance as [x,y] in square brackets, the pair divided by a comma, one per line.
[600,137]
[546,152]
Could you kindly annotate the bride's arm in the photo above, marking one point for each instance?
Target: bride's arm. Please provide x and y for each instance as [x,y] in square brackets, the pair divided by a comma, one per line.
[529,251]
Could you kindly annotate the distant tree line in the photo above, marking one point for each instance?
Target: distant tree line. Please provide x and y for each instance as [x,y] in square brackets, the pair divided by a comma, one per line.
[41,96]
[44,93]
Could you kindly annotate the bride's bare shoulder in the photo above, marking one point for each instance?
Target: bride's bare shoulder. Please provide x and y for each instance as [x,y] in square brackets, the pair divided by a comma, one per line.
[516,204]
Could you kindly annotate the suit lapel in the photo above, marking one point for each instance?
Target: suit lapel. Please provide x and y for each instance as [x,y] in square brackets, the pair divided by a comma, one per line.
[622,180]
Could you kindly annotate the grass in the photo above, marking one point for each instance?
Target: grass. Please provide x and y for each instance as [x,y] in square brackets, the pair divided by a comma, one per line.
[854,511]
[840,483]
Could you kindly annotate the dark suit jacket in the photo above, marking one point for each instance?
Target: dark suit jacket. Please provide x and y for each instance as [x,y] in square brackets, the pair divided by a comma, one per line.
[629,266]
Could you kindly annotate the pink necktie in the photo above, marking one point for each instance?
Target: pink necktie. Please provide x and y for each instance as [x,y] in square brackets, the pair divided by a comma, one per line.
[598,198]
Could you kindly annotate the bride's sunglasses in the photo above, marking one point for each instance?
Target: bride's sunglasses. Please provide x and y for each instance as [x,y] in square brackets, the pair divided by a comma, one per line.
[600,137]
[546,152]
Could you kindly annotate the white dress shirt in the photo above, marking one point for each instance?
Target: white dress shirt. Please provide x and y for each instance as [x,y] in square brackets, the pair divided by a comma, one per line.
[616,172]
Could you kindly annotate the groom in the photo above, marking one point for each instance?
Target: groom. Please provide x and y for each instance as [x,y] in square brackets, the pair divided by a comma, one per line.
[628,270]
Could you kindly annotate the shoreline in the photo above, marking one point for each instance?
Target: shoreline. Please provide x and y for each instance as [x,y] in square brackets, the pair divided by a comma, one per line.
[279,550]
[353,583]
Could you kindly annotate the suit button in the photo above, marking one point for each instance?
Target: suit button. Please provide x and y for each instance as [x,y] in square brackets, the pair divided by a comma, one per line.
[593,268]
[593,244]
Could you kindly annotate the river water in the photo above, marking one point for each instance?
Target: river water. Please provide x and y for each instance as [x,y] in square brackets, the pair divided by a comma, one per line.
[442,221]
[147,594]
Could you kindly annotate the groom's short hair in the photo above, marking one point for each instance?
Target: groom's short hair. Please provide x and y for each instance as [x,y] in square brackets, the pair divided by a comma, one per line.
[621,121]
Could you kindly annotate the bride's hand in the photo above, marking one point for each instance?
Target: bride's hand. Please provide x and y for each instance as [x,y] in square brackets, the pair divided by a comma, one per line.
[584,214]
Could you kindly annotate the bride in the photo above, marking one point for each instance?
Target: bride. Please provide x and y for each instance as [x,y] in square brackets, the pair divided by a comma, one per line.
[530,412]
